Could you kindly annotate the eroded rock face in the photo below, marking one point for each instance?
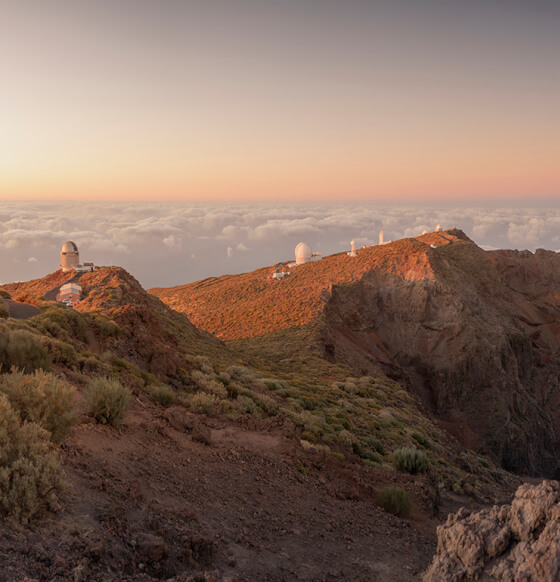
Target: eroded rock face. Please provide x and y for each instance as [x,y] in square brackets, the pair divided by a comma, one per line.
[475,336]
[520,541]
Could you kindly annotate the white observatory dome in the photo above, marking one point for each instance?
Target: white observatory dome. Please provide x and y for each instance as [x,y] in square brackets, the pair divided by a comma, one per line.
[69,256]
[69,247]
[303,253]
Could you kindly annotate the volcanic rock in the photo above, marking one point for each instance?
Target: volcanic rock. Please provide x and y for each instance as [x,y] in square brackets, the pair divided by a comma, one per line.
[520,541]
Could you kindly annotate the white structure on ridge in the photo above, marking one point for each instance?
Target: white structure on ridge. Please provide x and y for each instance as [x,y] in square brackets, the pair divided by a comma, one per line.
[352,253]
[381,237]
[438,228]
[304,254]
[69,256]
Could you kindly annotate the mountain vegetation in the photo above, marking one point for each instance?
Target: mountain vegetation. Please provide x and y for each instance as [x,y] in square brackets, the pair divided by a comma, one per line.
[394,383]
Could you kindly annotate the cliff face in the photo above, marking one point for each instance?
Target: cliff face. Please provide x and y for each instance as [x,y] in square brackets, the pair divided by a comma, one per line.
[475,334]
[478,342]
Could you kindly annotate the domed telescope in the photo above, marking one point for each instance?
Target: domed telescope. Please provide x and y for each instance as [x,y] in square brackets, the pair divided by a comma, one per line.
[69,256]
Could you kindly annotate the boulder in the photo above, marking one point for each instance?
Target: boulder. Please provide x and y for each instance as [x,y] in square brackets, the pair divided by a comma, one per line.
[520,541]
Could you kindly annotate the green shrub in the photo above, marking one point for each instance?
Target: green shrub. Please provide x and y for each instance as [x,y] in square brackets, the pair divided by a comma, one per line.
[30,477]
[4,294]
[395,500]
[108,400]
[421,440]
[4,311]
[41,398]
[163,394]
[20,349]
[410,461]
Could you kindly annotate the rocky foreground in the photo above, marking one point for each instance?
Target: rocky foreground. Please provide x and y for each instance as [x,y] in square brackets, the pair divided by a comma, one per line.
[520,541]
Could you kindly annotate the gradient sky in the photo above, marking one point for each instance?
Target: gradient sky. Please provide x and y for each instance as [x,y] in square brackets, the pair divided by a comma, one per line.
[287,100]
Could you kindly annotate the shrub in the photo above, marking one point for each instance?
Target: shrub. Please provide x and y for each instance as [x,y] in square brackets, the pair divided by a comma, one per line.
[4,312]
[163,394]
[30,477]
[20,349]
[395,500]
[108,400]
[410,461]
[41,398]
[203,403]
[4,294]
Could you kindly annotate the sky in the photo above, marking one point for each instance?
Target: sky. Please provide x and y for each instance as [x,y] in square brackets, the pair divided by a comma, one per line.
[293,101]
[164,244]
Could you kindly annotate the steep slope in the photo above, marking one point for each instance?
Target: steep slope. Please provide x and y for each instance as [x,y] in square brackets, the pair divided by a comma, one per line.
[475,334]
[148,333]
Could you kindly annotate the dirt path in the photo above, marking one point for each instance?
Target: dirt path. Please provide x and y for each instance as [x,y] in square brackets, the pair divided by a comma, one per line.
[147,502]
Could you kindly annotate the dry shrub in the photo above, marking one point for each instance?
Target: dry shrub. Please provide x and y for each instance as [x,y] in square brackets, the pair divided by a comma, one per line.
[41,398]
[395,500]
[20,349]
[108,400]
[203,403]
[163,394]
[207,384]
[30,477]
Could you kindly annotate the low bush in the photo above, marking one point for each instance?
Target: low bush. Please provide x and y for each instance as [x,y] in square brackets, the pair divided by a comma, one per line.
[108,401]
[395,500]
[203,403]
[410,460]
[4,294]
[20,349]
[30,476]
[163,394]
[41,398]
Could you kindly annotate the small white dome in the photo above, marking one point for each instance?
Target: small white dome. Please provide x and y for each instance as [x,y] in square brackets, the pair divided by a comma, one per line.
[69,247]
[303,253]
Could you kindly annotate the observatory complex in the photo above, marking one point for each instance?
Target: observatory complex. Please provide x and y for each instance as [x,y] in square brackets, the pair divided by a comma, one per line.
[70,259]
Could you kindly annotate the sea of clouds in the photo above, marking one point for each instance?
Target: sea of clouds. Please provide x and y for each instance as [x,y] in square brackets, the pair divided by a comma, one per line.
[169,244]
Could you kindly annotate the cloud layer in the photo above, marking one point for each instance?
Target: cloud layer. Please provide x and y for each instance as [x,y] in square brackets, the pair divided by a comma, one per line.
[169,244]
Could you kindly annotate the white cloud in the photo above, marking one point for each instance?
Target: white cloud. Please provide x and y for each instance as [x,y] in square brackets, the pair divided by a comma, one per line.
[140,236]
[32,260]
[173,242]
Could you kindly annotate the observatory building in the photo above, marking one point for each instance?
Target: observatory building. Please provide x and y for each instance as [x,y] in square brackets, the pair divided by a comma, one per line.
[69,256]
[304,254]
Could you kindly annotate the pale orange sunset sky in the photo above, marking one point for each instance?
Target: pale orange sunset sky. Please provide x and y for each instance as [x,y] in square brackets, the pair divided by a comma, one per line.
[289,100]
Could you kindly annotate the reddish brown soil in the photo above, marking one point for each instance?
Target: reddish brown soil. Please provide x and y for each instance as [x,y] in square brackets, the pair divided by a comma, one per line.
[147,502]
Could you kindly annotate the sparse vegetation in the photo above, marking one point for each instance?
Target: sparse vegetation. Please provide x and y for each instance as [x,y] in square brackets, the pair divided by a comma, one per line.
[108,400]
[395,500]
[42,398]
[30,476]
[410,460]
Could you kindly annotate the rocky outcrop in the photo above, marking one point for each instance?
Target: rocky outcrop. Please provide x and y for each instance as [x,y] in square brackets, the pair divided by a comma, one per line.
[475,335]
[520,541]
